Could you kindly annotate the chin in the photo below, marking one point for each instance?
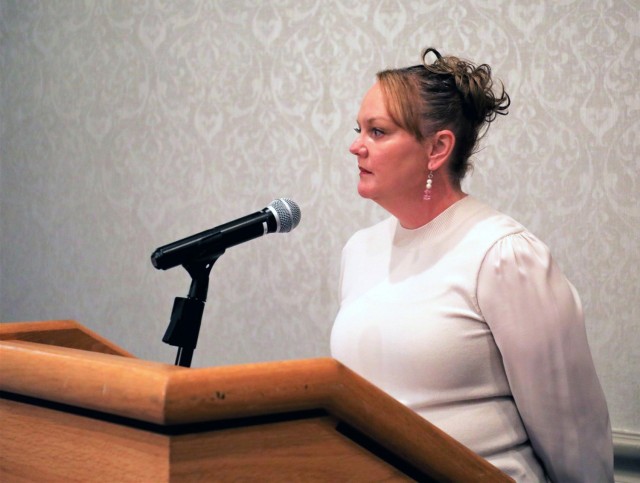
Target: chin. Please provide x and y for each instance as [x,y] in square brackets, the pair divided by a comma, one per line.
[365,193]
[365,190]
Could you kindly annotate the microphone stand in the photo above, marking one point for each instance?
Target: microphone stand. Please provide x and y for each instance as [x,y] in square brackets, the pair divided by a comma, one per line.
[186,316]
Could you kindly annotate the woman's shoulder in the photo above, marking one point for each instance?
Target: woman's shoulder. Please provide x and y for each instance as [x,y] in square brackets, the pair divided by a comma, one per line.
[481,222]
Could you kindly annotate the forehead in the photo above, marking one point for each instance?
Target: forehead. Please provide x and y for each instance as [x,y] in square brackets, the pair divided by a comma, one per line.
[373,105]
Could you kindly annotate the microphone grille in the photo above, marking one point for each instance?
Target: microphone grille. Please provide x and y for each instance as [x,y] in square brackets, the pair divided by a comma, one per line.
[288,214]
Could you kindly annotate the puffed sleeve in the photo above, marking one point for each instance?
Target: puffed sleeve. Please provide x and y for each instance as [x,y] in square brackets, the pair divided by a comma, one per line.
[537,322]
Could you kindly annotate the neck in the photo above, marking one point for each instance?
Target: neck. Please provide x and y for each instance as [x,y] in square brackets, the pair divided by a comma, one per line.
[417,212]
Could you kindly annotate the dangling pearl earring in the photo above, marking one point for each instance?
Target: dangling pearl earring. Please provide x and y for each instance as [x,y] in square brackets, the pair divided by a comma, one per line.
[427,190]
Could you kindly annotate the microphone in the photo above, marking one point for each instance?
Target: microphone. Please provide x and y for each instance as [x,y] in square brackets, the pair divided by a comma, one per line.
[281,216]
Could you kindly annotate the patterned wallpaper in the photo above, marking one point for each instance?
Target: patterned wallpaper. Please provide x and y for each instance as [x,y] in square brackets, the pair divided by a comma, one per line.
[127,125]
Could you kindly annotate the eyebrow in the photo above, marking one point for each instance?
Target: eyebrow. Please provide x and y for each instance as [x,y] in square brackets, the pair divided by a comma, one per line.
[377,118]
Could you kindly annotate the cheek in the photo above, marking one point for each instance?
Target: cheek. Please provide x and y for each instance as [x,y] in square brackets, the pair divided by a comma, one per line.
[413,165]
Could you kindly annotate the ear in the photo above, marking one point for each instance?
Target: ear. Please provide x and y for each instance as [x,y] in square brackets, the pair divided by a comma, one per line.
[440,148]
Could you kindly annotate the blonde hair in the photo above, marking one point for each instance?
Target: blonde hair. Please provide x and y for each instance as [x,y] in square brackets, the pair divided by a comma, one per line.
[449,93]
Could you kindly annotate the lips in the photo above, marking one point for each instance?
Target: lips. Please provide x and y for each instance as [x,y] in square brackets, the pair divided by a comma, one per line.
[363,171]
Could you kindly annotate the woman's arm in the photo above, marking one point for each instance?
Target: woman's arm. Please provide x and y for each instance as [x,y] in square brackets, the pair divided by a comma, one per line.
[537,322]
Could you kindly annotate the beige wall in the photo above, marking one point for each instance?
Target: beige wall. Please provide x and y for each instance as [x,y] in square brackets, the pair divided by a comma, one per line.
[127,125]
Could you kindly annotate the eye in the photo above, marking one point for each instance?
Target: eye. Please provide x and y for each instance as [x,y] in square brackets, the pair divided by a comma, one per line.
[376,132]
[357,129]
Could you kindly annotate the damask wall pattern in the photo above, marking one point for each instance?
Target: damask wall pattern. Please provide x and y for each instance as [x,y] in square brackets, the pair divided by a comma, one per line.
[127,125]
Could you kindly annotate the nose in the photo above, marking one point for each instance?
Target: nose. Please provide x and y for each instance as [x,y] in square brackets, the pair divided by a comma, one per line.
[357,147]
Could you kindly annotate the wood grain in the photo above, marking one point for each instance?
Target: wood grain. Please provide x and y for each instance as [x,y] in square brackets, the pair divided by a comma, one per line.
[61,333]
[41,444]
[304,450]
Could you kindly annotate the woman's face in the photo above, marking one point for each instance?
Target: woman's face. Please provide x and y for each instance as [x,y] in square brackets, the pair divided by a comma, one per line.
[392,162]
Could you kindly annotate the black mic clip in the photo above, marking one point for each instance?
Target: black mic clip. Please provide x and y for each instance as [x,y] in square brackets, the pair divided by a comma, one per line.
[186,315]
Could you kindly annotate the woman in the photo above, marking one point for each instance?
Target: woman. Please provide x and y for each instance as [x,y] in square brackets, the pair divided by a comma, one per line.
[453,308]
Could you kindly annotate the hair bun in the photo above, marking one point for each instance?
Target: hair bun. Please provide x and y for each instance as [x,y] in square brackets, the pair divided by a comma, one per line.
[474,84]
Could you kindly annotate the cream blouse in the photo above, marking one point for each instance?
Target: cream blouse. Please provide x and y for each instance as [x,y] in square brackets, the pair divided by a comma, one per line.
[468,321]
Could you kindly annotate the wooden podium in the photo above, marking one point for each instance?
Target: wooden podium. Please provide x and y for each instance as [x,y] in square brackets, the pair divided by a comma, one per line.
[75,407]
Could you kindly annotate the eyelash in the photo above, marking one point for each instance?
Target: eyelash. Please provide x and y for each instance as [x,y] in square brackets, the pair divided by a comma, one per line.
[375,131]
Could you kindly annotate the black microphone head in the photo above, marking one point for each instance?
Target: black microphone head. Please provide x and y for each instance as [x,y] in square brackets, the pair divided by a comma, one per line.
[287,214]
